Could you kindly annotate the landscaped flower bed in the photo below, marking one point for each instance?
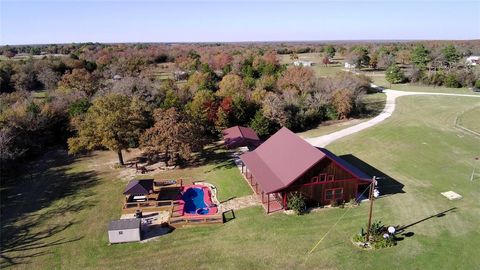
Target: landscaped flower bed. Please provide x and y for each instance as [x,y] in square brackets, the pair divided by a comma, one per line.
[379,237]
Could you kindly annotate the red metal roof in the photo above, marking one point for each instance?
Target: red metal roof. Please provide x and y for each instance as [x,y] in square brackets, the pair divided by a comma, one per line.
[240,136]
[281,159]
[284,157]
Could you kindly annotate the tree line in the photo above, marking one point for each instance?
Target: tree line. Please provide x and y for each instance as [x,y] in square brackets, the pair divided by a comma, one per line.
[98,96]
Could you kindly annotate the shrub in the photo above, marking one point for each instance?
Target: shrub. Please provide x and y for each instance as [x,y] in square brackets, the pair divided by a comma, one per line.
[353,201]
[417,75]
[451,81]
[477,84]
[436,78]
[296,202]
[466,77]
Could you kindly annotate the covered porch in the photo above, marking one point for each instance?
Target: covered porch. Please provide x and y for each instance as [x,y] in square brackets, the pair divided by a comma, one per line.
[271,202]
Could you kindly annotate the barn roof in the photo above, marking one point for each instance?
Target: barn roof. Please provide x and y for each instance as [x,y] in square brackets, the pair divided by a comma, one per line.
[124,224]
[284,157]
[143,186]
[240,136]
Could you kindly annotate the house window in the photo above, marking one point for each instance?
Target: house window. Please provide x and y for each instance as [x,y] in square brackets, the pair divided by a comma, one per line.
[314,179]
[334,194]
[120,232]
[330,178]
[323,177]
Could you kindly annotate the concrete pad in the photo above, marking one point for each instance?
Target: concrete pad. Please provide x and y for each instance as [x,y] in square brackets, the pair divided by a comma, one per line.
[452,195]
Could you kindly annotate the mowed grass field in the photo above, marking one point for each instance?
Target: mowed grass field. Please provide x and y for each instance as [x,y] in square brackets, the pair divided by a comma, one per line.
[319,68]
[381,81]
[470,119]
[418,147]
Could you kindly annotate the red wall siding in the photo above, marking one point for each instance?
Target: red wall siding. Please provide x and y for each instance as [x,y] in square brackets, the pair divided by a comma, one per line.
[315,191]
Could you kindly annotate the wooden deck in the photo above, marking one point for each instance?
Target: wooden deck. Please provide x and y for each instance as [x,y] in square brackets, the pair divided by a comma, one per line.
[148,206]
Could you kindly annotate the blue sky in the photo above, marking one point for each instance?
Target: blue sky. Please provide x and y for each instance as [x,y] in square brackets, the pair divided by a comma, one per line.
[33,22]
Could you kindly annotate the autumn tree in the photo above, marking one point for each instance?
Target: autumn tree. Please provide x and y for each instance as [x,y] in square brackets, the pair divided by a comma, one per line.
[173,135]
[404,56]
[203,109]
[231,85]
[342,101]
[385,60]
[326,60]
[296,78]
[113,121]
[80,80]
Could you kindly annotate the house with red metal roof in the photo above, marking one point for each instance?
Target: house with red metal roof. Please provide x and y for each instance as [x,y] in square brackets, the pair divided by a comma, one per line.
[238,136]
[286,163]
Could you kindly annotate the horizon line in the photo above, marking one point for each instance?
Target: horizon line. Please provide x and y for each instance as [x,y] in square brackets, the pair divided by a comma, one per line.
[242,41]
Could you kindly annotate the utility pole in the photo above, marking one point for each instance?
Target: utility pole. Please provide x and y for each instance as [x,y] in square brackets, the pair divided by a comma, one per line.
[370,197]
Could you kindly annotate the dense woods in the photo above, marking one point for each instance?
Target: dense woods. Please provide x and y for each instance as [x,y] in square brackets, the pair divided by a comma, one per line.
[171,99]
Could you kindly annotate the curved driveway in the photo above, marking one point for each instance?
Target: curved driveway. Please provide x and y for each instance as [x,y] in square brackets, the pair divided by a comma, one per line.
[392,96]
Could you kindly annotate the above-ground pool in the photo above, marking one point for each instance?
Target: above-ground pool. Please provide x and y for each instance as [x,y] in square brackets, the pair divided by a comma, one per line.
[194,199]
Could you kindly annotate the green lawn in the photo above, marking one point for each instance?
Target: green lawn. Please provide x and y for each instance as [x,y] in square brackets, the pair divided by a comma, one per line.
[380,81]
[470,119]
[418,146]
[320,69]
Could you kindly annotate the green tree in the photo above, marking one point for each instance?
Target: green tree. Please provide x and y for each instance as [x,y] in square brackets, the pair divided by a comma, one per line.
[330,51]
[262,125]
[420,56]
[394,74]
[113,121]
[451,55]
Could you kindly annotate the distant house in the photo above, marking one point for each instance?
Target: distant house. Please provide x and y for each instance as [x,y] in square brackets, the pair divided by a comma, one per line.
[124,230]
[301,63]
[117,77]
[237,136]
[286,163]
[350,66]
[473,60]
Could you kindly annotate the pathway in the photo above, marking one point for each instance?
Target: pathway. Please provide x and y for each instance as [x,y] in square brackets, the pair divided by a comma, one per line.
[241,202]
[392,96]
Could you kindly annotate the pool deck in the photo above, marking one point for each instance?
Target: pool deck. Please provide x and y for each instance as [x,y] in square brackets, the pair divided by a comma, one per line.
[207,198]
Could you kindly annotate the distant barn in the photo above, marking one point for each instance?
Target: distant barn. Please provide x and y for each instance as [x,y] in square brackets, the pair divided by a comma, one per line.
[238,136]
[286,163]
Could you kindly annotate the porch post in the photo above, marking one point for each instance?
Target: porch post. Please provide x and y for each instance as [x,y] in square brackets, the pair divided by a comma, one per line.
[262,198]
[268,203]
[285,200]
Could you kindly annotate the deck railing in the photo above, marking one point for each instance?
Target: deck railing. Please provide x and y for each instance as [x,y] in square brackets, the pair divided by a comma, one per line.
[195,220]
[166,205]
